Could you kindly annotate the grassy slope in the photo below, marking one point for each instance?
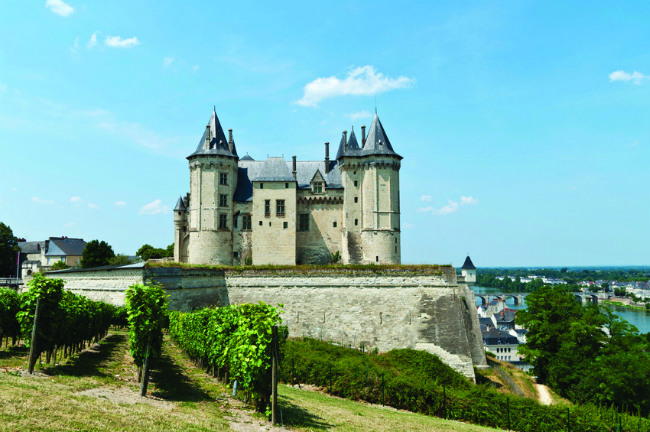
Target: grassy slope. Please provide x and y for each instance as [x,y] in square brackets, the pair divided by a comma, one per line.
[184,399]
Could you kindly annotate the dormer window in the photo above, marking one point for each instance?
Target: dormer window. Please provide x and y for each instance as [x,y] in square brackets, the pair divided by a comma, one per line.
[318,187]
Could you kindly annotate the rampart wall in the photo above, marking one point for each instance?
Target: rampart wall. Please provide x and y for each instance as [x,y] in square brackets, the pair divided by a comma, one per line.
[384,309]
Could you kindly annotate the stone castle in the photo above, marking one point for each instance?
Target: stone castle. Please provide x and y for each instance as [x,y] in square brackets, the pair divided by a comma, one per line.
[290,212]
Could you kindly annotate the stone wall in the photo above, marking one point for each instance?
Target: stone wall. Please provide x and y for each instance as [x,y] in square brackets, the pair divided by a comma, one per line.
[386,309]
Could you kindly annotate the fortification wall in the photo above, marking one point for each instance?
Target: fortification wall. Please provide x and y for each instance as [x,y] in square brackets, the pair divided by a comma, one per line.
[386,310]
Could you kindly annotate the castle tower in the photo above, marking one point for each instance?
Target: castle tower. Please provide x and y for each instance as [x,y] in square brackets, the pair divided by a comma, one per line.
[370,177]
[469,271]
[213,180]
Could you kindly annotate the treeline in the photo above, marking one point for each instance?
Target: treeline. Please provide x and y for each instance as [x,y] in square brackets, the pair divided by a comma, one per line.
[570,276]
[586,353]
[420,382]
[66,322]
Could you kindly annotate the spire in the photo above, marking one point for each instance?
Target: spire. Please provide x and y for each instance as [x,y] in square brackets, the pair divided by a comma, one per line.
[377,141]
[353,145]
[180,205]
[469,265]
[214,140]
[342,148]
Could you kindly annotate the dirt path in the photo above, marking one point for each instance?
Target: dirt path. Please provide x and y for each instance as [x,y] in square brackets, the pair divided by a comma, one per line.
[543,394]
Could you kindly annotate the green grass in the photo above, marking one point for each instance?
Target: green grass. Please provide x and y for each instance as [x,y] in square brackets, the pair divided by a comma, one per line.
[181,397]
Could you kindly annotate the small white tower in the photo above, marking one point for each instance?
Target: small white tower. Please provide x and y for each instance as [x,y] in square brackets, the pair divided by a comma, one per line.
[469,271]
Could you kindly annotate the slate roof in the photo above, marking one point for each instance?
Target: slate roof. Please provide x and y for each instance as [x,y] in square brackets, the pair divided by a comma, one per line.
[247,158]
[506,315]
[377,143]
[31,247]
[252,170]
[498,337]
[218,143]
[469,265]
[180,205]
[58,246]
[486,322]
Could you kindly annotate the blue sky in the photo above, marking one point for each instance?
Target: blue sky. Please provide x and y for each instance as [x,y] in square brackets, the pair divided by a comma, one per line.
[524,126]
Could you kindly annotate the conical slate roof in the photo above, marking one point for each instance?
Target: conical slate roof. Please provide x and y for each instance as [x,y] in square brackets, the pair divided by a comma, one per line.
[468,264]
[217,144]
[377,143]
[180,205]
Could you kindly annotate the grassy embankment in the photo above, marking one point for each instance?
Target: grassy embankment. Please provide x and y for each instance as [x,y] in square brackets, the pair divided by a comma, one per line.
[97,390]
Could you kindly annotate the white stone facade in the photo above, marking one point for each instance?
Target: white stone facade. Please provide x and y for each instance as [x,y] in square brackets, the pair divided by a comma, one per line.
[241,211]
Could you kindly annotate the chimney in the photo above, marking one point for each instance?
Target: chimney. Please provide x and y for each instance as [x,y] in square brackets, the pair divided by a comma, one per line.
[295,171]
[230,140]
[327,157]
[363,136]
[208,138]
[345,141]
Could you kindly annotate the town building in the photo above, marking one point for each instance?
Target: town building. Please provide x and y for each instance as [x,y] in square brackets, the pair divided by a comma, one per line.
[240,210]
[39,256]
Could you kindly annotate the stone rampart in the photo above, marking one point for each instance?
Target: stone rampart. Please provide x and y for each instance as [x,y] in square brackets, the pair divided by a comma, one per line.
[386,309]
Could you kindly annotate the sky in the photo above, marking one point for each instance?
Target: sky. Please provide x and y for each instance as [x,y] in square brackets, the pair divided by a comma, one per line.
[524,126]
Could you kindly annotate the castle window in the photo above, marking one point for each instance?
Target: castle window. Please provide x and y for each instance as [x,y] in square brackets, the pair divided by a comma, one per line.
[261,185]
[356,221]
[286,185]
[356,183]
[223,200]
[223,179]
[279,207]
[304,222]
[356,199]
[267,208]
[260,223]
[236,255]
[318,187]
[377,258]
[334,224]
[223,221]
[285,225]
[234,221]
[246,222]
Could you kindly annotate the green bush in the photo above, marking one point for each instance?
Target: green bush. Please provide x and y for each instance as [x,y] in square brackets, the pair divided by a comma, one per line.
[147,314]
[420,382]
[9,307]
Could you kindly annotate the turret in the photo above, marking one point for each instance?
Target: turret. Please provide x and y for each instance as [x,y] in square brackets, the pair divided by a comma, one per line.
[469,271]
[213,180]
[370,177]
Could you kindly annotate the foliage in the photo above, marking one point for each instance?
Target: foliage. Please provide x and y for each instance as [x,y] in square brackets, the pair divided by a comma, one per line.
[119,260]
[420,382]
[65,319]
[235,339]
[586,353]
[147,313]
[9,307]
[147,252]
[8,251]
[335,257]
[59,265]
[96,254]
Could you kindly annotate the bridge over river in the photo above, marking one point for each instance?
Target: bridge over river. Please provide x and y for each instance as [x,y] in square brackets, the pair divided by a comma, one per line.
[518,297]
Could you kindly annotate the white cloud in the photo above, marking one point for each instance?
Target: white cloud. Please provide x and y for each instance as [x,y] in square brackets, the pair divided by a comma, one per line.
[154,207]
[360,81]
[93,206]
[118,42]
[59,7]
[167,61]
[69,225]
[75,199]
[41,200]
[120,203]
[408,226]
[451,207]
[92,42]
[359,115]
[637,78]
[75,46]
[468,200]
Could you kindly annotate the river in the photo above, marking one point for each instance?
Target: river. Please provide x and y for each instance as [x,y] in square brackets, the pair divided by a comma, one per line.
[639,318]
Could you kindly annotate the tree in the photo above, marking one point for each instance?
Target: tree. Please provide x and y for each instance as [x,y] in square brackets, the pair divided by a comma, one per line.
[147,252]
[119,260]
[605,287]
[8,251]
[59,265]
[170,250]
[96,254]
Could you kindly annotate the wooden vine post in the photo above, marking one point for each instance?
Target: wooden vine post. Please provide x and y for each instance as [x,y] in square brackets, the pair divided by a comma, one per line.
[145,371]
[274,375]
[33,353]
